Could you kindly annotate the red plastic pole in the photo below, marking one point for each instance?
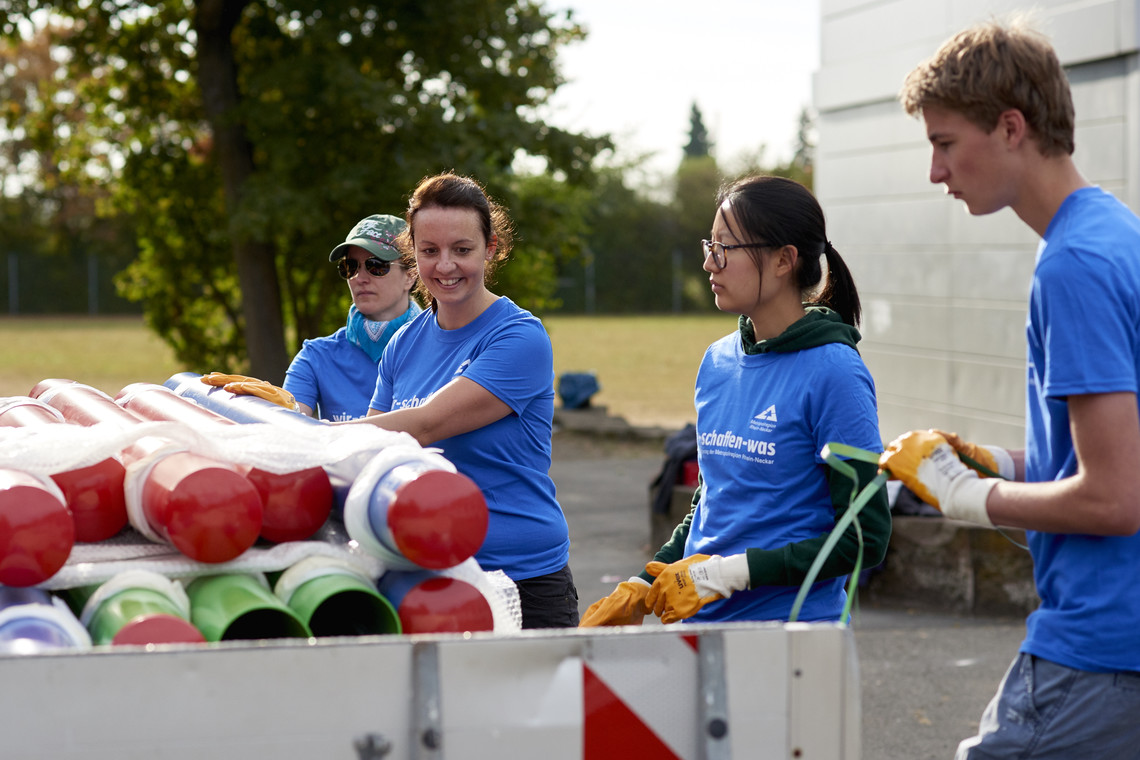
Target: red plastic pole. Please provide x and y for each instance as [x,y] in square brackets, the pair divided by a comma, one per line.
[36,530]
[296,504]
[430,603]
[94,494]
[206,509]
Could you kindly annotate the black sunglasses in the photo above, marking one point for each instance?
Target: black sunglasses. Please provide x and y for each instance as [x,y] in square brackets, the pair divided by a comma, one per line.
[376,267]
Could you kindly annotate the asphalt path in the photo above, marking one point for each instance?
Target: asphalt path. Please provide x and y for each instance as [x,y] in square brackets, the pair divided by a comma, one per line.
[926,676]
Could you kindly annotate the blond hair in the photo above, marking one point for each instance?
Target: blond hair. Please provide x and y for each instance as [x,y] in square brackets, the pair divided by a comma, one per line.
[993,67]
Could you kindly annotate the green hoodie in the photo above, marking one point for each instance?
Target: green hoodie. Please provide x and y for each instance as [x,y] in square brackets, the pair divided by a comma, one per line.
[789,565]
[819,326]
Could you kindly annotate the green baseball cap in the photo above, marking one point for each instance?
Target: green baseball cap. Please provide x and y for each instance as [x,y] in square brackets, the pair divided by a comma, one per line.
[375,234]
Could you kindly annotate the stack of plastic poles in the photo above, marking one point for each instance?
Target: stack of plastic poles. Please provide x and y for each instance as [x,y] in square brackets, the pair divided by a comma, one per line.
[295,504]
[135,607]
[406,505]
[36,529]
[206,509]
[94,494]
[32,620]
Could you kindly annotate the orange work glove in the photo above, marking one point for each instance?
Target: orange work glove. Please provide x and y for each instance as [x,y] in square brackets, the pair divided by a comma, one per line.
[243,385]
[625,606]
[993,458]
[928,465]
[683,587]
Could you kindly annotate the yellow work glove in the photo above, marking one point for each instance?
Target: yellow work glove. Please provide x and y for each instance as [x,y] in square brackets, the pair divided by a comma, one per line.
[243,385]
[993,458]
[625,606]
[928,465]
[683,587]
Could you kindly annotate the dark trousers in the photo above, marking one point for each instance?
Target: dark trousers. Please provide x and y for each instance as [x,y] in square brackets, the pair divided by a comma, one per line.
[549,601]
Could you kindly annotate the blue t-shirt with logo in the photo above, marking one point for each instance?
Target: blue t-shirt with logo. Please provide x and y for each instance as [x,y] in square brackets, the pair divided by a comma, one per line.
[1083,332]
[332,377]
[762,420]
[507,351]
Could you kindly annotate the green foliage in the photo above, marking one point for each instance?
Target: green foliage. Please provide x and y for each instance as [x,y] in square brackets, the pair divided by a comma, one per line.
[646,254]
[630,240]
[694,204]
[550,221]
[49,236]
[342,107]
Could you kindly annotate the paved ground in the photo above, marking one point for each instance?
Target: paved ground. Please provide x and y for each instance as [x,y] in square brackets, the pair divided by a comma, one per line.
[926,677]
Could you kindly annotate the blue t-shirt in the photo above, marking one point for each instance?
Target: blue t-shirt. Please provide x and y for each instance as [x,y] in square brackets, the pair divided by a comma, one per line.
[505,350]
[332,377]
[762,420]
[1083,332]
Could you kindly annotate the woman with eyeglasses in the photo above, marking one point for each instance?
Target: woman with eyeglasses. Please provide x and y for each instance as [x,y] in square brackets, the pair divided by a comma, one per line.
[334,375]
[768,398]
[474,376]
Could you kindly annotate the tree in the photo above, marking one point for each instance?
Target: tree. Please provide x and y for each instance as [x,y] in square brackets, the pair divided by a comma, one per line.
[694,204]
[699,145]
[799,167]
[803,160]
[247,136]
[631,239]
[45,216]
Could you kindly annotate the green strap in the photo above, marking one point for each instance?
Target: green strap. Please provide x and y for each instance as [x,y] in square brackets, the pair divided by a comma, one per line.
[831,453]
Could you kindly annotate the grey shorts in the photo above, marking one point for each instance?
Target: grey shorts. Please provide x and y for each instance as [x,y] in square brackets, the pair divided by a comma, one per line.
[1045,710]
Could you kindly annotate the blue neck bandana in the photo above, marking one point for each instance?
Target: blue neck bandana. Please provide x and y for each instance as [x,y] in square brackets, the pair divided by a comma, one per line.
[371,337]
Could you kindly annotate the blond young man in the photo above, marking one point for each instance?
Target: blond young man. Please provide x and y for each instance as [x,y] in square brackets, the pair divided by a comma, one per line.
[999,116]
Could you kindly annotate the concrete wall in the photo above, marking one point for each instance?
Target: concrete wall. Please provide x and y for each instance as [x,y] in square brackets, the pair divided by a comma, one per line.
[944,293]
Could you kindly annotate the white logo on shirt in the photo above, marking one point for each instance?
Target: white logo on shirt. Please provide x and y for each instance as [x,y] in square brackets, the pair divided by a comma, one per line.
[765,421]
[464,365]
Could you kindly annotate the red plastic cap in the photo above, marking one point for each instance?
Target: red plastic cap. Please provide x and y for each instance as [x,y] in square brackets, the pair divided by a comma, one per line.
[96,498]
[36,531]
[208,510]
[158,629]
[445,605]
[439,519]
[295,504]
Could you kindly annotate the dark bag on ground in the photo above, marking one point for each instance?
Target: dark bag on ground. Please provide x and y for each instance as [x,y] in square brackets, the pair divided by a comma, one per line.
[680,447]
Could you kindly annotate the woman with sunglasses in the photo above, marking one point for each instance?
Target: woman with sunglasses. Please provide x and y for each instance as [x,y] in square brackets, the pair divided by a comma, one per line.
[335,375]
[768,398]
[474,376]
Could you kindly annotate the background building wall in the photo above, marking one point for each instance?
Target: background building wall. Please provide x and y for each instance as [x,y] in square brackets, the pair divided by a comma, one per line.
[945,294]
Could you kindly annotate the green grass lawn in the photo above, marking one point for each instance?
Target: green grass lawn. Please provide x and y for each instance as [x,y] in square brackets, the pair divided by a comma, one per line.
[105,352]
[646,365]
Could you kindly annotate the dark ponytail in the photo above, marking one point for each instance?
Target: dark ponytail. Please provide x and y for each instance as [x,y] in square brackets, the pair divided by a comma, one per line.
[782,212]
[839,294]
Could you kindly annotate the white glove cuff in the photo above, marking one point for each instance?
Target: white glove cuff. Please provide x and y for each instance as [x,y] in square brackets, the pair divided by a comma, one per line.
[639,579]
[968,501]
[734,570]
[720,575]
[1005,466]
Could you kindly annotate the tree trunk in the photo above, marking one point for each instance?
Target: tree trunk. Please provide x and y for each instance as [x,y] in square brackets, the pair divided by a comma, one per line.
[257,273]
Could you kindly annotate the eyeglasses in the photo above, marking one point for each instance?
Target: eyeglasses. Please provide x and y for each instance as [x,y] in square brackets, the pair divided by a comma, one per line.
[374,266]
[716,249]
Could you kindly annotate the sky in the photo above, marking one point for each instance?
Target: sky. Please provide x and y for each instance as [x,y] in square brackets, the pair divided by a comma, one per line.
[747,64]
